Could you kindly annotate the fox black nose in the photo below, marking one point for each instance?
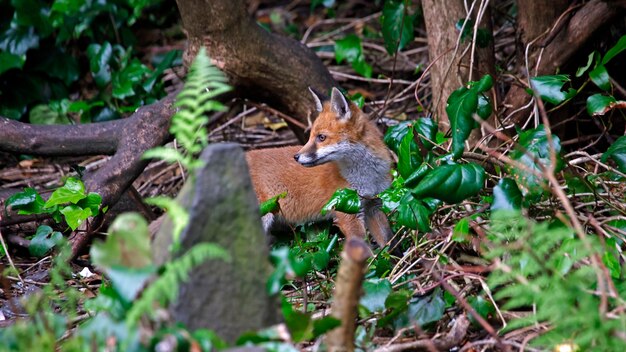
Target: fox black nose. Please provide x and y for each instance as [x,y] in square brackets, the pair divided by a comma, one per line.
[297,156]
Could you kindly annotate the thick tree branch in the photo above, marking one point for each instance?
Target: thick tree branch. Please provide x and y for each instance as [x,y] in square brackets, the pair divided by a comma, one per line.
[262,66]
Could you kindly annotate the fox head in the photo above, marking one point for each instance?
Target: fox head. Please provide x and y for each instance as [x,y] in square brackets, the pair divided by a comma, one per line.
[339,126]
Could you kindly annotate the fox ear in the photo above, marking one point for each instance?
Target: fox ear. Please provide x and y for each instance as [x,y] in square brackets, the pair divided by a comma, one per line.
[339,105]
[318,100]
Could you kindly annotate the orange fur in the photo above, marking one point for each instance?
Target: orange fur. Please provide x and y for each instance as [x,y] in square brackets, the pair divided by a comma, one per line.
[274,171]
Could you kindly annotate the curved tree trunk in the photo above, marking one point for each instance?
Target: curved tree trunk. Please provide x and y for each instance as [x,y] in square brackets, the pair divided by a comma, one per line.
[262,66]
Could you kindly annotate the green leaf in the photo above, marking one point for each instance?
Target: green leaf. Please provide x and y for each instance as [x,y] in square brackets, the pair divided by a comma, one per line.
[9,61]
[26,202]
[408,156]
[600,77]
[375,293]
[271,205]
[413,213]
[44,240]
[61,65]
[358,99]
[550,88]
[460,233]
[300,324]
[452,183]
[71,192]
[462,103]
[44,115]
[349,48]
[17,40]
[482,306]
[125,80]
[75,215]
[599,104]
[128,282]
[484,84]
[617,153]
[395,134]
[417,175]
[426,128]
[612,264]
[92,201]
[345,200]
[422,310]
[323,325]
[535,141]
[127,245]
[397,25]
[99,58]
[615,50]
[506,196]
[581,70]
[320,260]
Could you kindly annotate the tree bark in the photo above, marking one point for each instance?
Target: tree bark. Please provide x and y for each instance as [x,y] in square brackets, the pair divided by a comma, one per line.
[262,66]
[450,67]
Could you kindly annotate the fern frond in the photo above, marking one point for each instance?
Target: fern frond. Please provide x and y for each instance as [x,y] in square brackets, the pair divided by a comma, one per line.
[164,289]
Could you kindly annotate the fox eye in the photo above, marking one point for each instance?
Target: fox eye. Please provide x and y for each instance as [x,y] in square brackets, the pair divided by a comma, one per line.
[321,137]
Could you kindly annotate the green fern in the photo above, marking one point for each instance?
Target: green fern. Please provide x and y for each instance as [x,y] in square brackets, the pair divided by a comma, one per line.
[204,83]
[547,267]
[165,288]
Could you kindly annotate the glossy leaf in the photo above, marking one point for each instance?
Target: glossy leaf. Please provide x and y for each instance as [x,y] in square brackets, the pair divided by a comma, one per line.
[9,61]
[617,153]
[397,25]
[17,40]
[271,205]
[128,282]
[462,104]
[408,156]
[99,57]
[615,50]
[423,310]
[44,240]
[127,245]
[418,174]
[535,142]
[482,306]
[43,115]
[395,134]
[350,49]
[581,70]
[75,215]
[550,88]
[452,183]
[599,104]
[460,232]
[71,192]
[375,292]
[26,202]
[426,128]
[506,196]
[600,77]
[345,200]
[92,201]
[412,213]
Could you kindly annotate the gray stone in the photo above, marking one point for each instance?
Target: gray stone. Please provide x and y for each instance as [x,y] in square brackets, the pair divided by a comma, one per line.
[227,297]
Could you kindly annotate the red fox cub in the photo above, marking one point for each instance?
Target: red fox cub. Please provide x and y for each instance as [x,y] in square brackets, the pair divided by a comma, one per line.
[345,150]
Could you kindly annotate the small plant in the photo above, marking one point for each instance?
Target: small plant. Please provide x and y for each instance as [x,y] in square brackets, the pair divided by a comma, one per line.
[69,203]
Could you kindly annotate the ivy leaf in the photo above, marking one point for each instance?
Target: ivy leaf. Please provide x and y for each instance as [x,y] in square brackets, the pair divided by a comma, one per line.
[408,156]
[617,153]
[44,240]
[550,88]
[75,215]
[452,183]
[345,200]
[482,306]
[535,141]
[376,292]
[397,25]
[426,128]
[9,61]
[17,40]
[26,202]
[506,196]
[44,115]
[600,77]
[423,310]
[615,50]
[127,245]
[350,49]
[395,134]
[92,201]
[323,325]
[413,213]
[460,233]
[125,80]
[128,282]
[271,205]
[71,192]
[462,103]
[581,70]
[99,57]
[599,104]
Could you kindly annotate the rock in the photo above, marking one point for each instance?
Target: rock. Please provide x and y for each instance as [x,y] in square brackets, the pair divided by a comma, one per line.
[227,297]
